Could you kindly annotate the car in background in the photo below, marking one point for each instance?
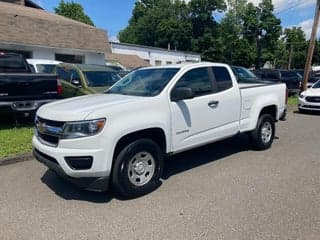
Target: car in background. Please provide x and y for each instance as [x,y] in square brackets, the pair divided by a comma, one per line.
[82,79]
[290,78]
[121,71]
[310,99]
[244,75]
[42,65]
[314,76]
[21,90]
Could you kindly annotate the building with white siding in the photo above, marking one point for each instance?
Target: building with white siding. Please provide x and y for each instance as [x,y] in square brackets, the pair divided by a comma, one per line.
[155,56]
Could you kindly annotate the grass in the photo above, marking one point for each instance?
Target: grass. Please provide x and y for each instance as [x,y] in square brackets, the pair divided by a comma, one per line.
[15,140]
[293,101]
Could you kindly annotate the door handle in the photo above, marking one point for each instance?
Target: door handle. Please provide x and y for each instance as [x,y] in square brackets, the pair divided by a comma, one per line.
[213,104]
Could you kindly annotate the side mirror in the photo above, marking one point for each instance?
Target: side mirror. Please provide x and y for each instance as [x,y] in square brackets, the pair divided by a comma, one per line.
[76,82]
[181,93]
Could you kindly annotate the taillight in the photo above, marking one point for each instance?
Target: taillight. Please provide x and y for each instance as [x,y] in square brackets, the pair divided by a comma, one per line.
[287,94]
[59,87]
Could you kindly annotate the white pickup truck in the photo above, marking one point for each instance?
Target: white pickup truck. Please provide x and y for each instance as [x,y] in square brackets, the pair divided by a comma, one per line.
[120,138]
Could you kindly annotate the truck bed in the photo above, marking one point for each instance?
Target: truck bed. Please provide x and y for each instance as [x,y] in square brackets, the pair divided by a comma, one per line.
[254,96]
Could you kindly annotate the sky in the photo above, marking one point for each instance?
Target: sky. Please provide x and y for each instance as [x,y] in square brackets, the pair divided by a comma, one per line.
[113,15]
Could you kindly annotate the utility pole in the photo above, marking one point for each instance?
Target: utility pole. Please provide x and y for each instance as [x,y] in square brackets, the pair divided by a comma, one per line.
[311,47]
[290,56]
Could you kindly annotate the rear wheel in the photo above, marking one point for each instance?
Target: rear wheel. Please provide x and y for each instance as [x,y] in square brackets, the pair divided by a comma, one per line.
[262,137]
[137,169]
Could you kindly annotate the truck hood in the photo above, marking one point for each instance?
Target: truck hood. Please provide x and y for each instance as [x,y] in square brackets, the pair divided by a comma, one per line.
[78,108]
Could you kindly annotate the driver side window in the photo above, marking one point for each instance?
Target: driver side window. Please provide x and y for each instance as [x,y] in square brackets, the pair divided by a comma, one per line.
[198,80]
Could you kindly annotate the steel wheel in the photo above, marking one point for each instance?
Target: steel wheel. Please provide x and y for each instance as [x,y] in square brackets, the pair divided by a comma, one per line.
[141,168]
[266,132]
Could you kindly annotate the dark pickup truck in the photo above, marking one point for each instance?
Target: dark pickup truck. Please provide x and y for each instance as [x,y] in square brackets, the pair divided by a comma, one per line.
[290,78]
[21,91]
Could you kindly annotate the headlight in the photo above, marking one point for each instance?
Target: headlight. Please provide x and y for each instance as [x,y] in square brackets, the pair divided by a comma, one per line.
[83,128]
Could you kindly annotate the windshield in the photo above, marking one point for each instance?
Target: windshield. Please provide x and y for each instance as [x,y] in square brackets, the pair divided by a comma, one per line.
[46,68]
[245,76]
[243,72]
[316,85]
[144,82]
[101,78]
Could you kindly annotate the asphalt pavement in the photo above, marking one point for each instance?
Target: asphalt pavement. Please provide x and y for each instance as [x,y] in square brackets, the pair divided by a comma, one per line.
[221,191]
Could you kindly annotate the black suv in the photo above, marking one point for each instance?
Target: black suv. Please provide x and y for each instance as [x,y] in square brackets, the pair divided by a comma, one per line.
[290,78]
[314,76]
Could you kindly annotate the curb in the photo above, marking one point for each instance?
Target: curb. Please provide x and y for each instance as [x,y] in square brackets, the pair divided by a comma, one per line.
[15,159]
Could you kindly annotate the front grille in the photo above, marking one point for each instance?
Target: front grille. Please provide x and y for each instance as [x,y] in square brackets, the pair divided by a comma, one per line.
[313,99]
[48,139]
[49,131]
[51,122]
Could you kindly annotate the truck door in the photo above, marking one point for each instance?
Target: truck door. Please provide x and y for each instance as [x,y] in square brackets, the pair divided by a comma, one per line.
[212,114]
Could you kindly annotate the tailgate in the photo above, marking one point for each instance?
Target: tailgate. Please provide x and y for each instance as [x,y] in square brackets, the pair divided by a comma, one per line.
[15,87]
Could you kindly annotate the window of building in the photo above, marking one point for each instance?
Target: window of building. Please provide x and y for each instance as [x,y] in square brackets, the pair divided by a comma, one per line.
[222,78]
[69,58]
[169,62]
[198,80]
[157,62]
[146,60]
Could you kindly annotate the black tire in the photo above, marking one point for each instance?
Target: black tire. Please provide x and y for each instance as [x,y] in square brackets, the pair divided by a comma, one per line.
[120,172]
[258,140]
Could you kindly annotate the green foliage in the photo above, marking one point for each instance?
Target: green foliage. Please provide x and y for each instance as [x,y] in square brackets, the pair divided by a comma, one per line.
[74,11]
[247,35]
[163,23]
[15,140]
[159,23]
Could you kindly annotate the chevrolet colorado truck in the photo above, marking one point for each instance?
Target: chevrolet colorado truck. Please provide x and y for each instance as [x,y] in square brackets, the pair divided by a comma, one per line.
[121,137]
[22,91]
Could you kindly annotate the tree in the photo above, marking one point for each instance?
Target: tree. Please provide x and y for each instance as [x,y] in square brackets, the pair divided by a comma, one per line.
[262,28]
[163,23]
[74,11]
[159,23]
[296,46]
[237,50]
[205,30]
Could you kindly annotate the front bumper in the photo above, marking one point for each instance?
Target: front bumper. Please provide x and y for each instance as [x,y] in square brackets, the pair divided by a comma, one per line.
[88,183]
[312,106]
[94,178]
[23,106]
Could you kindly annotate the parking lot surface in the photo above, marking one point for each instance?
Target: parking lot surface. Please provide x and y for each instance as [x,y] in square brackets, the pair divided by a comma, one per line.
[221,191]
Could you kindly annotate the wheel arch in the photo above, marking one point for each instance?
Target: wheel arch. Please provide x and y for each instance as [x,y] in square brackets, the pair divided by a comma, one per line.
[270,109]
[155,133]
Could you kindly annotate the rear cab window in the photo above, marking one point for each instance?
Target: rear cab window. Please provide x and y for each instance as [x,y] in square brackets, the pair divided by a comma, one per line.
[13,63]
[222,78]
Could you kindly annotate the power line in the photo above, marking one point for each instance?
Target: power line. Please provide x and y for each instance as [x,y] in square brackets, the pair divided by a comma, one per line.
[290,8]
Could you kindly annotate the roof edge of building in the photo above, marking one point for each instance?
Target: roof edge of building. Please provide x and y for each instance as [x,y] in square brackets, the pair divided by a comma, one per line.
[156,48]
[53,47]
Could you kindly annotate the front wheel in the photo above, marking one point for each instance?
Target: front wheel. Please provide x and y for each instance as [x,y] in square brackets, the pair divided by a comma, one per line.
[262,137]
[137,169]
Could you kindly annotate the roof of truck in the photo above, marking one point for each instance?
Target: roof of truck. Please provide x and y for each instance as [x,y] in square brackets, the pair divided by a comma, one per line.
[187,64]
